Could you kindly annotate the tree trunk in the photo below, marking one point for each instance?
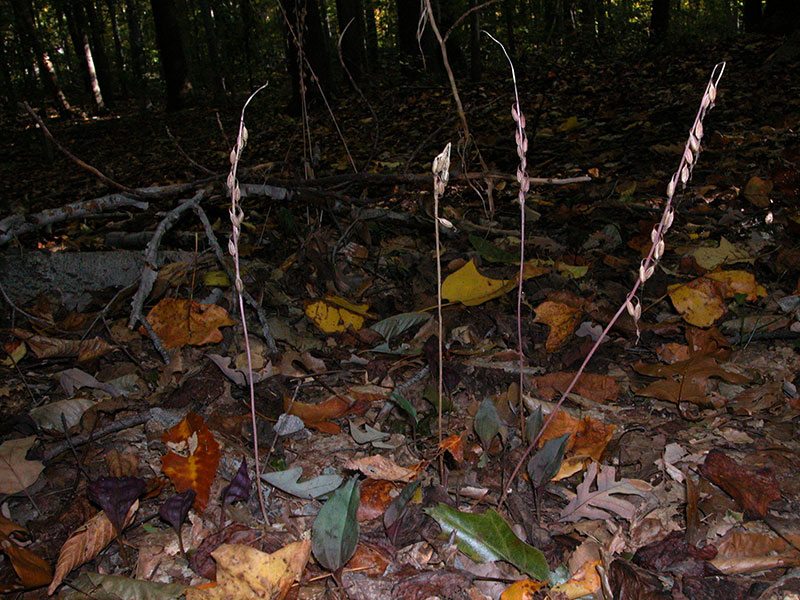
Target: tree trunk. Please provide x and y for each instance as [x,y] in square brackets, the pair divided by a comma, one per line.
[119,53]
[247,31]
[781,16]
[508,16]
[372,34]
[305,45]
[659,19]
[475,62]
[214,64]
[23,17]
[9,97]
[137,53]
[171,53]
[98,51]
[350,14]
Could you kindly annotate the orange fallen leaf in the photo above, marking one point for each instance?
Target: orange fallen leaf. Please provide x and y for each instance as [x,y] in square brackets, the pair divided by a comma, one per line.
[180,322]
[562,319]
[193,457]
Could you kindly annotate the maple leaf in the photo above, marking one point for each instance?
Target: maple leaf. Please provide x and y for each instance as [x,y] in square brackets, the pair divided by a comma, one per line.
[588,504]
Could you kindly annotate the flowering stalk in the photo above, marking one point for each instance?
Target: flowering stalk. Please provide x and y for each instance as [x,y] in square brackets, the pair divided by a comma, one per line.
[647,266]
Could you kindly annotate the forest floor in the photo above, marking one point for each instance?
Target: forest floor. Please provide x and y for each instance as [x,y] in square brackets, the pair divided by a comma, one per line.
[679,475]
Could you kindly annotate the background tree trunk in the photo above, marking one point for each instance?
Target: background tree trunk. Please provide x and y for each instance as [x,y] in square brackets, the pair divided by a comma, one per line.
[350,14]
[475,62]
[659,19]
[137,53]
[214,67]
[9,97]
[171,53]
[119,53]
[98,51]
[751,15]
[23,17]
[372,34]
[305,41]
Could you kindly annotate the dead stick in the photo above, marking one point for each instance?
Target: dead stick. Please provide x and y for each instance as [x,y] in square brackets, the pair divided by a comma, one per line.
[101,176]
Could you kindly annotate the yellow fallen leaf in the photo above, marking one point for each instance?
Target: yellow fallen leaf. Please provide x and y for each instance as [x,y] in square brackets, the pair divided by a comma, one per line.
[216,278]
[471,288]
[711,258]
[570,123]
[333,314]
[244,573]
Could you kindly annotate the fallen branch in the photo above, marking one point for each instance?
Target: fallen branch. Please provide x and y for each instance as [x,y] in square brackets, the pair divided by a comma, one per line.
[16,225]
[150,271]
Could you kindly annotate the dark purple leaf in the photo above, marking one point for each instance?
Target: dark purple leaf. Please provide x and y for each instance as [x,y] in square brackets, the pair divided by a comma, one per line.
[115,495]
[175,509]
[239,487]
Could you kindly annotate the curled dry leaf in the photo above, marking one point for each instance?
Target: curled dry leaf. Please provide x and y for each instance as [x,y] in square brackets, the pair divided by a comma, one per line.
[85,543]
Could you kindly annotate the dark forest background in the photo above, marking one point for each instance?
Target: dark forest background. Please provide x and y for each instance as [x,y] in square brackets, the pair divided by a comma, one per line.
[85,57]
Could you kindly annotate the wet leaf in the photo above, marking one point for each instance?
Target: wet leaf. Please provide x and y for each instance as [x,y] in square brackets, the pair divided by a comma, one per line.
[394,326]
[180,322]
[605,499]
[193,458]
[87,542]
[244,573]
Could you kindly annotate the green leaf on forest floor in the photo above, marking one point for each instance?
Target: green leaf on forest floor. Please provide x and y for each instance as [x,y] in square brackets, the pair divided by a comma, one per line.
[534,424]
[492,253]
[334,535]
[544,465]
[393,326]
[488,537]
[405,405]
[487,422]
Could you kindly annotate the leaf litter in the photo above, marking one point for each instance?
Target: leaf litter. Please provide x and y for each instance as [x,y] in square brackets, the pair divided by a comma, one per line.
[708,391]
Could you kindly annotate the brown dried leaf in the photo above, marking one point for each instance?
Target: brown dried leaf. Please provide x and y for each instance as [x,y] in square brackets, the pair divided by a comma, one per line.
[85,543]
[380,467]
[589,504]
